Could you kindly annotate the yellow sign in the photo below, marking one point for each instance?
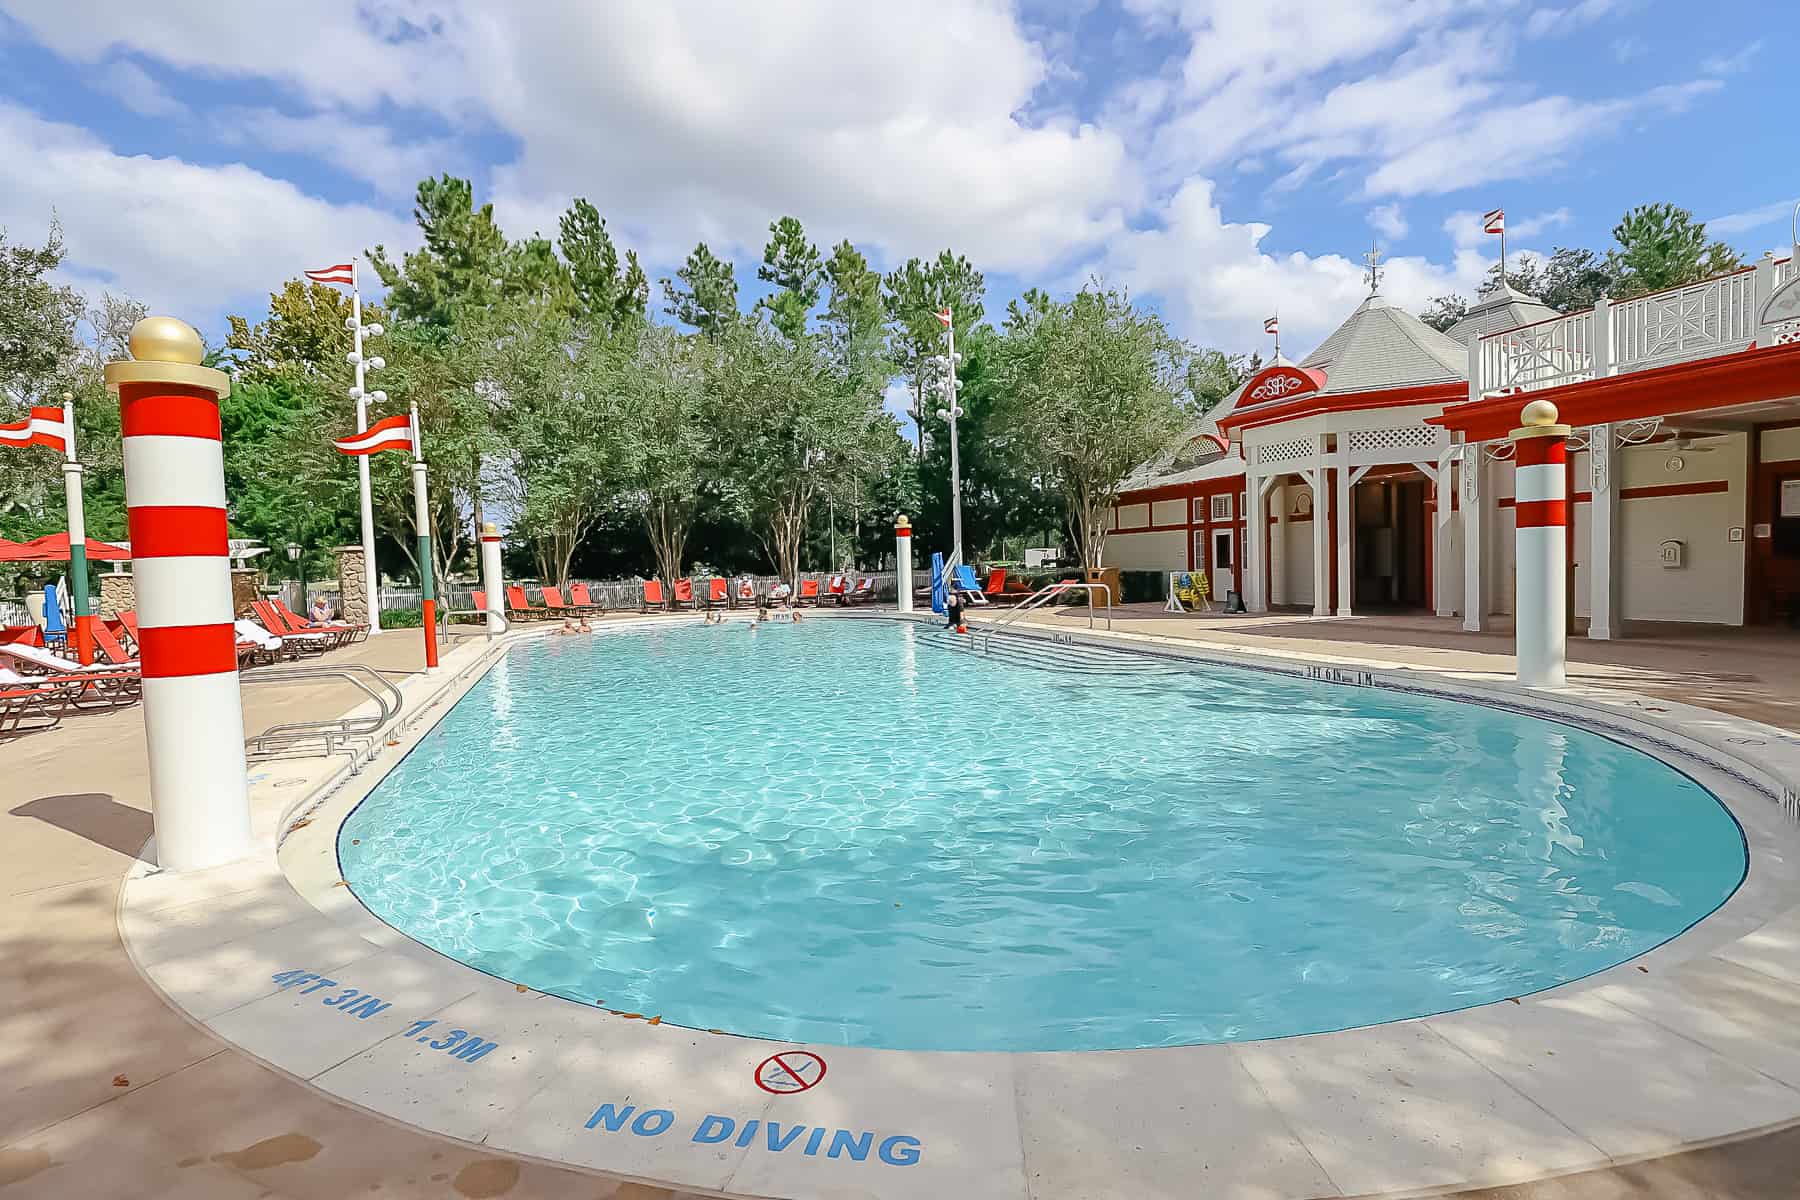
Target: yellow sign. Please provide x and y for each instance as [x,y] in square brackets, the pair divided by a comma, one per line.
[1192,589]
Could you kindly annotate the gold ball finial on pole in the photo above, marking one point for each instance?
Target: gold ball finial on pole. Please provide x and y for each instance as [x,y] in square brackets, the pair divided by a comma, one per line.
[165,339]
[489,527]
[1540,419]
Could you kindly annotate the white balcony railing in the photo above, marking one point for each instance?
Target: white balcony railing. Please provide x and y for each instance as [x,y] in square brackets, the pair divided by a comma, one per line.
[1715,316]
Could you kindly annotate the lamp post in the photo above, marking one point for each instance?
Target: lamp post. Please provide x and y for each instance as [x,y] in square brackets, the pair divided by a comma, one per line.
[294,553]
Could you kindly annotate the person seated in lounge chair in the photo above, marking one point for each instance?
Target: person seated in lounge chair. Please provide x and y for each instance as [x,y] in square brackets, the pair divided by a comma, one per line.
[320,613]
[781,592]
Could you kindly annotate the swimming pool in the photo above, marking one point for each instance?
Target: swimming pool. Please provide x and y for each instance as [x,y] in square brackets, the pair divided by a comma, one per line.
[845,832]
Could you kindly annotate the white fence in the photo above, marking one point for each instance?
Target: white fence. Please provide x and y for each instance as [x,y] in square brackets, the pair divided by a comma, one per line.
[1713,317]
[613,594]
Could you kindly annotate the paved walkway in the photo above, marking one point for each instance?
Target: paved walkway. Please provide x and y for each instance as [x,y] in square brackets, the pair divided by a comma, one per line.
[108,1092]
[105,1091]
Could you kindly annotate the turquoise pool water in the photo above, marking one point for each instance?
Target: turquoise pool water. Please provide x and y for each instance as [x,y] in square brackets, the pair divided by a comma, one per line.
[844,832]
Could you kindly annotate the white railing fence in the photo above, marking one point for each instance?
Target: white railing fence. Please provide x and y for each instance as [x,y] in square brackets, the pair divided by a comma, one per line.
[1715,316]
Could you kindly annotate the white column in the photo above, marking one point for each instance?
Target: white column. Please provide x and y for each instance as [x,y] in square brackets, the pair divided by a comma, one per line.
[1603,536]
[1346,528]
[1278,546]
[903,562]
[1471,477]
[493,579]
[1321,540]
[1256,571]
[1445,577]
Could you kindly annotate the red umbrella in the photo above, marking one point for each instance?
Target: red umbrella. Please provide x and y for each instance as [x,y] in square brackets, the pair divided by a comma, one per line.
[54,547]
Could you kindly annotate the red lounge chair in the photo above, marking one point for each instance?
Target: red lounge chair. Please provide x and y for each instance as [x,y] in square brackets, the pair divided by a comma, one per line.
[275,625]
[838,588]
[478,599]
[718,593]
[746,591]
[110,649]
[863,592]
[346,632]
[653,595]
[578,595]
[553,600]
[684,593]
[518,606]
[809,590]
[24,635]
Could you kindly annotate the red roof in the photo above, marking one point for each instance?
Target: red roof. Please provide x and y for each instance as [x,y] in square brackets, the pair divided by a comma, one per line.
[54,547]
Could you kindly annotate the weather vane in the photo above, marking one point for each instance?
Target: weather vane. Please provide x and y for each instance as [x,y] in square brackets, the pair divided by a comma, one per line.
[1373,275]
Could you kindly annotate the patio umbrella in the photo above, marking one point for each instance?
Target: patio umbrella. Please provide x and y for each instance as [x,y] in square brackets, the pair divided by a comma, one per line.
[54,547]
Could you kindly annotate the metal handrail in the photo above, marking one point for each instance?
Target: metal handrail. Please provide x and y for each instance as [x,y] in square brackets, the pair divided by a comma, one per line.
[1044,595]
[445,614]
[336,731]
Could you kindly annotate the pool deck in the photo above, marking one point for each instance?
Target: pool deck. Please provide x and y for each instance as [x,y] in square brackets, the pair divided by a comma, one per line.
[113,1092]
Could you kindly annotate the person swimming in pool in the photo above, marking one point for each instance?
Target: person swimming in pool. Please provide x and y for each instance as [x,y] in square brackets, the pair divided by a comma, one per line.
[953,612]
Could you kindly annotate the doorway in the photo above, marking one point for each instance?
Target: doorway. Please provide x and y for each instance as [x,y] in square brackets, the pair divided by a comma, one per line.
[1391,542]
[1223,559]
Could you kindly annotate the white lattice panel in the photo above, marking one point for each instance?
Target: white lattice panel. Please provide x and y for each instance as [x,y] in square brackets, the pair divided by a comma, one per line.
[1405,443]
[1292,450]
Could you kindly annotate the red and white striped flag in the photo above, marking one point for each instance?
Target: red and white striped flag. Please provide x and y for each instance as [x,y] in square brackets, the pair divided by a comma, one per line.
[342,273]
[43,428]
[1494,222]
[1271,324]
[389,433]
[945,317]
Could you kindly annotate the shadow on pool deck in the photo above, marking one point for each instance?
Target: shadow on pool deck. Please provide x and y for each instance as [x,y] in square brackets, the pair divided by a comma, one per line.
[95,816]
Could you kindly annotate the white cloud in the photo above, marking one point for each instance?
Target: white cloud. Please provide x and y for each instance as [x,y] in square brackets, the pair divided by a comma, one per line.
[1547,22]
[1218,283]
[361,149]
[1753,218]
[186,239]
[1465,227]
[136,90]
[1732,64]
[1389,221]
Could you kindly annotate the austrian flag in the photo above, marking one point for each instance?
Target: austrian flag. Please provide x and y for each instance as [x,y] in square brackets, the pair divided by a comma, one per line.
[945,317]
[341,273]
[1494,222]
[43,428]
[389,433]
[1271,324]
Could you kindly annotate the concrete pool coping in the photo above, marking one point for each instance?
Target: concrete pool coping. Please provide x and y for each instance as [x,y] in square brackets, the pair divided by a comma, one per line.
[1690,1050]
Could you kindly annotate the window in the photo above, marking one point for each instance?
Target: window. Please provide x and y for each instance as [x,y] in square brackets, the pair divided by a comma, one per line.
[1221,508]
[1199,551]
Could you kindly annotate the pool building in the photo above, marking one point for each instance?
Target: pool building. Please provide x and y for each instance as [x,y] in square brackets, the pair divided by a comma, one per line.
[1379,476]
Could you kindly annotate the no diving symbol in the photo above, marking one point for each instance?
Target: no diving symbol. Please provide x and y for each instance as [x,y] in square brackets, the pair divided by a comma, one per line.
[790,1071]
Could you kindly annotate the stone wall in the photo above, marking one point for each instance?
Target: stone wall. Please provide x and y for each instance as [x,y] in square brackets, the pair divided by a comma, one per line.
[118,593]
[353,594]
[245,590]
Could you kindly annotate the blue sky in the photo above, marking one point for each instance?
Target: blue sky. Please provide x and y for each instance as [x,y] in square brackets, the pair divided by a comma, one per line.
[1219,159]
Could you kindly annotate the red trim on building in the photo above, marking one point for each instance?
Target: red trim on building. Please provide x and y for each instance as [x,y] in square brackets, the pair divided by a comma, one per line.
[1748,377]
[1312,405]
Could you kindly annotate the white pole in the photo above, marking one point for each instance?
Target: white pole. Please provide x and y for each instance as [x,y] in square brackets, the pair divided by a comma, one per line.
[371,576]
[903,562]
[1540,508]
[955,463]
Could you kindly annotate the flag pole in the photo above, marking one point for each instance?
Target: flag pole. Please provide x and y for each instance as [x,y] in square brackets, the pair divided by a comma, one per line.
[371,576]
[427,565]
[78,559]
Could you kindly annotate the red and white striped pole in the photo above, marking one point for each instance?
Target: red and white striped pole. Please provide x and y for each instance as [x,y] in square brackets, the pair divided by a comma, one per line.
[175,511]
[1540,506]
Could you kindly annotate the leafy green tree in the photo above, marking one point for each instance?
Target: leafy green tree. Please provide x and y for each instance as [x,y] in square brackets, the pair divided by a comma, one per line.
[463,263]
[795,429]
[670,438]
[1094,387]
[1214,375]
[915,293]
[706,297]
[302,337]
[607,293]
[1574,279]
[792,265]
[854,318]
[1662,246]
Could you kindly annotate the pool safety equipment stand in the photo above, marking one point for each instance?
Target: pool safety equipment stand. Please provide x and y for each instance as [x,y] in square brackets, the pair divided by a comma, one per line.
[493,581]
[175,511]
[1541,503]
[903,561]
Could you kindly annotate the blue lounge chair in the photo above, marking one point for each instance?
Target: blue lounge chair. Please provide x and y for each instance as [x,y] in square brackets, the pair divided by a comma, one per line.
[968,585]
